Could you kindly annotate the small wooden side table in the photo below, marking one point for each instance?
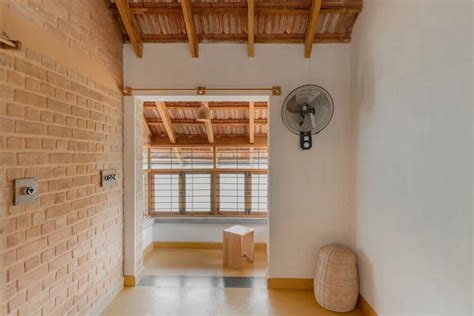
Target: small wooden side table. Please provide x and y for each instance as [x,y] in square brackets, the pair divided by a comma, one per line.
[238,244]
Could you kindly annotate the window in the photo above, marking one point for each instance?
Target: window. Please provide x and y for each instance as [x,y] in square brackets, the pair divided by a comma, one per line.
[232,192]
[208,181]
[198,192]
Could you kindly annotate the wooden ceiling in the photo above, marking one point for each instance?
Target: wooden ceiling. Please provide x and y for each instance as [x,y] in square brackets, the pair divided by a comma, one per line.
[178,124]
[237,21]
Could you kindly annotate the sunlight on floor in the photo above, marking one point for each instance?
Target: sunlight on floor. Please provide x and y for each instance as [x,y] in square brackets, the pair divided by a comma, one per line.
[200,262]
[179,299]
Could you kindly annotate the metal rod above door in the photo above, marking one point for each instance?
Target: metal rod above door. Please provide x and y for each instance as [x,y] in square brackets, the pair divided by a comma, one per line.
[128,91]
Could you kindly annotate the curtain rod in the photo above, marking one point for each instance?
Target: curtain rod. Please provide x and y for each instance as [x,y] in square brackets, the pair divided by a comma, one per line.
[128,91]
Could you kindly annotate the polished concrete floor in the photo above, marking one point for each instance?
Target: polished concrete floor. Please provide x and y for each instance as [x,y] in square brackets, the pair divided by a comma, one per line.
[200,262]
[193,282]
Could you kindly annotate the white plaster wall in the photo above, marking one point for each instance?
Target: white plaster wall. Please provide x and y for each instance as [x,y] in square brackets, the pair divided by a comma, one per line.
[412,83]
[200,232]
[148,232]
[309,191]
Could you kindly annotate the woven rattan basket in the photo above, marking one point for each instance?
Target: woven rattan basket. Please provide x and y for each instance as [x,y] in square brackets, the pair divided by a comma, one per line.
[336,284]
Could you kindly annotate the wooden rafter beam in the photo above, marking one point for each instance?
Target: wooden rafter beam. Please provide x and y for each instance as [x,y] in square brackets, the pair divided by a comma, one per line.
[147,126]
[202,141]
[207,124]
[241,7]
[168,125]
[242,38]
[212,107]
[312,27]
[128,22]
[189,24]
[251,122]
[232,122]
[250,27]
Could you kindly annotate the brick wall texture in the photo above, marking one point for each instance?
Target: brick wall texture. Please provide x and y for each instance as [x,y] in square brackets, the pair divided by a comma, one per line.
[86,26]
[64,252]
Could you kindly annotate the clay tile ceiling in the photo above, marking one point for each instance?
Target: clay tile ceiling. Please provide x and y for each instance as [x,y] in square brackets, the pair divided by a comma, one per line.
[275,21]
[230,121]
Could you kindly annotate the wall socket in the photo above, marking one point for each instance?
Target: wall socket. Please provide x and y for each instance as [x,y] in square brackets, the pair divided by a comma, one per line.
[108,178]
[25,191]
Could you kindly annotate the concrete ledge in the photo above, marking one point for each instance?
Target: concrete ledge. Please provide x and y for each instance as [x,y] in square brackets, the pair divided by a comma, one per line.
[198,245]
[212,220]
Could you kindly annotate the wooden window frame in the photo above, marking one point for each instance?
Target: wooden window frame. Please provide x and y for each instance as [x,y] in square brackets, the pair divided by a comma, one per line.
[215,192]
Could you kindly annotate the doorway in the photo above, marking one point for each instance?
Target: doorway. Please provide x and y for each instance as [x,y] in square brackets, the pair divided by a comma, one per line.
[205,169]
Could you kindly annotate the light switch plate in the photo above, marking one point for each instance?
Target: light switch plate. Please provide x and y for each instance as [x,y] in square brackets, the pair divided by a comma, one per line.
[108,177]
[25,191]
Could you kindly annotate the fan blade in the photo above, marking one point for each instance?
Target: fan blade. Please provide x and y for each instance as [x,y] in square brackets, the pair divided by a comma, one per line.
[293,106]
[313,120]
[307,124]
[314,102]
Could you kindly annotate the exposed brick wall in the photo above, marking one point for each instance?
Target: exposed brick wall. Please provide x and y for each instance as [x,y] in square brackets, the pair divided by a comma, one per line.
[86,26]
[63,253]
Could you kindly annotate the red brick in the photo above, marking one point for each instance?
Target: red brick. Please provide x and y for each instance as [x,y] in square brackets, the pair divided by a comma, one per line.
[7,159]
[47,255]
[16,302]
[33,232]
[15,271]
[28,98]
[16,79]
[31,159]
[31,277]
[32,263]
[31,248]
[32,143]
[30,69]
[54,238]
[6,124]
[25,127]
[15,110]
[14,239]
[6,92]
[57,106]
[59,131]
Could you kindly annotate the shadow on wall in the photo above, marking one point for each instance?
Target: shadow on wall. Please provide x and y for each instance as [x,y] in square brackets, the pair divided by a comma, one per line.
[367,275]
[363,105]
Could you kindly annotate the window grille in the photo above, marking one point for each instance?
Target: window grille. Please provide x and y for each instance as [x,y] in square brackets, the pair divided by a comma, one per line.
[207,181]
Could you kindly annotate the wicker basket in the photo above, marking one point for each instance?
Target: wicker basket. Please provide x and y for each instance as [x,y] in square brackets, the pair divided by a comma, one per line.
[336,285]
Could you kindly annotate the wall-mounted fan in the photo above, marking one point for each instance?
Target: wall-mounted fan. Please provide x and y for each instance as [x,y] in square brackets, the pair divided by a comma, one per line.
[306,111]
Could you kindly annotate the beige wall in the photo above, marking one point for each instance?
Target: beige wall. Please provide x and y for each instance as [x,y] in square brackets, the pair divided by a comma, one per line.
[60,121]
[412,92]
[309,191]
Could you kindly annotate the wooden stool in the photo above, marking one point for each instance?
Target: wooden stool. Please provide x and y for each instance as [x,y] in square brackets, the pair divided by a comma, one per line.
[238,243]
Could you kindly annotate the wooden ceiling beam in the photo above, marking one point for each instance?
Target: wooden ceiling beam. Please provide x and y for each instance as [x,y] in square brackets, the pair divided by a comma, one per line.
[168,125]
[130,27]
[251,122]
[147,126]
[250,27]
[230,122]
[189,24]
[212,107]
[312,27]
[202,141]
[207,124]
[240,7]
[243,38]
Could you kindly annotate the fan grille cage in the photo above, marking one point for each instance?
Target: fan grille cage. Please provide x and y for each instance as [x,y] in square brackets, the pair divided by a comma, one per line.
[313,96]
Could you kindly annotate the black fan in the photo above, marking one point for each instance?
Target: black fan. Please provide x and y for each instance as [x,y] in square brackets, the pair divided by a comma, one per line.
[307,110]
